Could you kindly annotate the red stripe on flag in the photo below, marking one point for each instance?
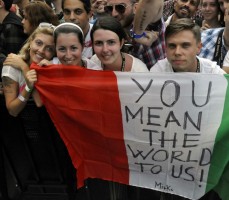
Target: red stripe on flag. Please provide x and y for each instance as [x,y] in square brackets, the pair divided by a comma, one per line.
[85,108]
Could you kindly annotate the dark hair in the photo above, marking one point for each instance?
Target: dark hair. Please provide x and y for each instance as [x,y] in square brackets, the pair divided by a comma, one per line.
[109,23]
[182,25]
[8,4]
[39,11]
[69,28]
[86,5]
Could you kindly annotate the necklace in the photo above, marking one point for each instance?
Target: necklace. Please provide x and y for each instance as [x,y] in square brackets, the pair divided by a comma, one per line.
[198,65]
[123,62]
[83,64]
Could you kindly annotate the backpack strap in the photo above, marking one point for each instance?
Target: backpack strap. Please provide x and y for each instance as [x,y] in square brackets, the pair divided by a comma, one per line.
[218,55]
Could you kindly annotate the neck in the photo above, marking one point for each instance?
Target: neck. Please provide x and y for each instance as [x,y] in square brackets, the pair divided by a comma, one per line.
[3,15]
[213,23]
[85,31]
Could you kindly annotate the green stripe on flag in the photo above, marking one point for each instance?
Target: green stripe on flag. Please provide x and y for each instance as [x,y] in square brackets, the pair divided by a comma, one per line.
[218,176]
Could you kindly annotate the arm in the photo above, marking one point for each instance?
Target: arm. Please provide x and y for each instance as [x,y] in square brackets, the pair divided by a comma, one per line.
[148,11]
[13,103]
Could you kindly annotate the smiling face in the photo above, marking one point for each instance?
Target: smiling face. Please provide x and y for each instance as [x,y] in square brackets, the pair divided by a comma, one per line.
[210,9]
[42,47]
[181,49]
[185,8]
[125,18]
[69,49]
[75,12]
[107,46]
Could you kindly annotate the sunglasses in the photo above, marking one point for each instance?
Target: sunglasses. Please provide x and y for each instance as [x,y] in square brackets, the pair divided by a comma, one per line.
[46,25]
[120,8]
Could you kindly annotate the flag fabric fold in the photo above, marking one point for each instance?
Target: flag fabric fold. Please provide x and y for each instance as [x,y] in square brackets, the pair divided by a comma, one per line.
[166,132]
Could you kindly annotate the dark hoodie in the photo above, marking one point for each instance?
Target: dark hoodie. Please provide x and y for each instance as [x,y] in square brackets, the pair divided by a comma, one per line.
[12,35]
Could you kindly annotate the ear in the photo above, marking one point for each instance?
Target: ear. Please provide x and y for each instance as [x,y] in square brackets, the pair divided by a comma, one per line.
[199,46]
[122,43]
[90,14]
[135,7]
[1,3]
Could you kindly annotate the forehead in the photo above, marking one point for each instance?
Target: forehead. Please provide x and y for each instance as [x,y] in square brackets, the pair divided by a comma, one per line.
[44,37]
[101,34]
[118,1]
[181,37]
[209,1]
[73,4]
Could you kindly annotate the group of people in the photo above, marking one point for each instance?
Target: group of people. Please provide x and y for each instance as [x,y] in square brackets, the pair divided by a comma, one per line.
[116,36]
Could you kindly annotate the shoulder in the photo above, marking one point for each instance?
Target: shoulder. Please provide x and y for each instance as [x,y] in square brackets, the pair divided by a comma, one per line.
[11,72]
[13,19]
[90,64]
[138,65]
[212,32]
[210,67]
[162,66]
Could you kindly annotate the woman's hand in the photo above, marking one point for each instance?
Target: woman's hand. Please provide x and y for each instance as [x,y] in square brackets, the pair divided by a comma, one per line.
[44,62]
[205,26]
[15,61]
[31,78]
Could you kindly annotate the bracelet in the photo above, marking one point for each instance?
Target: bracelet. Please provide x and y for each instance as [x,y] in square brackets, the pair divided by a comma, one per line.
[136,36]
[28,89]
[21,98]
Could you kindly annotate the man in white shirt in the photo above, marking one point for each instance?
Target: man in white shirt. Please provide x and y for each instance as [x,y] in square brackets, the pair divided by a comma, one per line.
[183,44]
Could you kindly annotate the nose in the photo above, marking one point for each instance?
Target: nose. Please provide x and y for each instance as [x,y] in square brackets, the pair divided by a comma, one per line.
[225,5]
[105,47]
[72,16]
[42,49]
[114,12]
[177,50]
[68,54]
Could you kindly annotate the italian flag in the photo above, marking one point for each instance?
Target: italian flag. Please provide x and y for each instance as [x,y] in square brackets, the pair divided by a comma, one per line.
[167,132]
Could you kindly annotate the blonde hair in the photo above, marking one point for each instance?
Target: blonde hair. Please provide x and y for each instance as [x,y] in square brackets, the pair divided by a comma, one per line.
[25,50]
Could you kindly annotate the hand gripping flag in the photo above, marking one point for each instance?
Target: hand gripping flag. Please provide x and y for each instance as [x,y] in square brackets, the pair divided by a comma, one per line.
[167,132]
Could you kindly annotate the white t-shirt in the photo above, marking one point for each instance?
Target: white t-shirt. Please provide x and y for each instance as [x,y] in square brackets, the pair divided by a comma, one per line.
[206,66]
[137,66]
[226,60]
[14,74]
[87,50]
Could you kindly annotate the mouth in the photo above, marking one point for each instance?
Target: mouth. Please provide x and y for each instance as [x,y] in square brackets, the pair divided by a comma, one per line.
[178,62]
[39,56]
[184,10]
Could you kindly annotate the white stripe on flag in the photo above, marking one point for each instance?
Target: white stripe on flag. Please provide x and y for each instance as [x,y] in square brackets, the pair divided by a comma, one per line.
[184,108]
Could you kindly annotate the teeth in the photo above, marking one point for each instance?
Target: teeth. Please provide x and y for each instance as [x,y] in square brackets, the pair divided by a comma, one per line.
[38,55]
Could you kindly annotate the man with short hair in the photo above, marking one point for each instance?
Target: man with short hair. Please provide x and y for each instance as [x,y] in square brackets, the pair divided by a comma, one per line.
[183,44]
[124,11]
[79,13]
[183,9]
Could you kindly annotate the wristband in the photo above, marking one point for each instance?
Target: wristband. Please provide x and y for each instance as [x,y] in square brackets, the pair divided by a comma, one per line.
[28,89]
[21,98]
[136,36]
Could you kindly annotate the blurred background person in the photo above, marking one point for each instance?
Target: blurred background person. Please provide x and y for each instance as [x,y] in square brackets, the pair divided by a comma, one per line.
[79,12]
[212,14]
[36,12]
[97,7]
